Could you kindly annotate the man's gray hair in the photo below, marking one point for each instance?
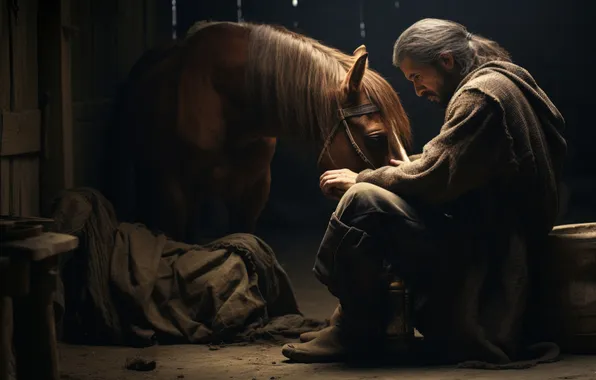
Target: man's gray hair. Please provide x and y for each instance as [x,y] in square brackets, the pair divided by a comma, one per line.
[427,39]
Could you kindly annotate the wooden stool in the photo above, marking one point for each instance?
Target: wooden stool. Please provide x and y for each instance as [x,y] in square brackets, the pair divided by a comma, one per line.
[28,277]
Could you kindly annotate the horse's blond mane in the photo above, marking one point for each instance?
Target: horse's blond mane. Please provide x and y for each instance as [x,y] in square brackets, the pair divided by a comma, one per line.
[295,78]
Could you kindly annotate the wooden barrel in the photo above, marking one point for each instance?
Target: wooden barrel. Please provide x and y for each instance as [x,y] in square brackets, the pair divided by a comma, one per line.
[569,287]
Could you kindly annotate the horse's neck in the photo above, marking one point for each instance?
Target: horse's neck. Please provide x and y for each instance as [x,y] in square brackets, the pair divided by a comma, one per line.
[293,131]
[297,107]
[274,128]
[312,132]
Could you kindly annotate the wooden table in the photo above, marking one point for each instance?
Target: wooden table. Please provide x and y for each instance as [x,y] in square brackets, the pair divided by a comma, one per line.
[28,277]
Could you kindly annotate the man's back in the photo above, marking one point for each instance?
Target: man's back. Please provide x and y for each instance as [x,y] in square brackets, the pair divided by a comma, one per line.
[535,127]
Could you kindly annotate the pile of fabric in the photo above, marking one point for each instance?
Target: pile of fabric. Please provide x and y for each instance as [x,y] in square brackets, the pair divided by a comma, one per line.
[129,285]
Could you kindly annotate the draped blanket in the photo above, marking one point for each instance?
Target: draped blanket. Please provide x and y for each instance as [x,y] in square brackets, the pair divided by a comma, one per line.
[129,285]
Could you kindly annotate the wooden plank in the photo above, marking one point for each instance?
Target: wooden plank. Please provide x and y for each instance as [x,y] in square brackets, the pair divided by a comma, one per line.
[34,325]
[55,78]
[102,54]
[42,246]
[4,58]
[113,47]
[96,60]
[25,196]
[21,132]
[66,94]
[5,179]
[5,197]
[24,59]
[15,199]
[24,171]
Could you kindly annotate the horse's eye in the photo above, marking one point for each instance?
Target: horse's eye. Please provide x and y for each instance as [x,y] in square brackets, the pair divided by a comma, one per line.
[376,139]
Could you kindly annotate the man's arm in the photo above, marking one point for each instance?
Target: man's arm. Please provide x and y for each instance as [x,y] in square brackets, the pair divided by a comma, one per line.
[473,147]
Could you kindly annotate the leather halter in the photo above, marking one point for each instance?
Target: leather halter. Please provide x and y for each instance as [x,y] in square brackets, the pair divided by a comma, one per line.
[344,114]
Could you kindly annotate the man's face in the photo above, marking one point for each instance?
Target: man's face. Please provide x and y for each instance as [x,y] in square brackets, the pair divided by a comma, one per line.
[435,82]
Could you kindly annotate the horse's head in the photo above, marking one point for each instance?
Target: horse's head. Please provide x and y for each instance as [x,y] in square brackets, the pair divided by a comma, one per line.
[369,123]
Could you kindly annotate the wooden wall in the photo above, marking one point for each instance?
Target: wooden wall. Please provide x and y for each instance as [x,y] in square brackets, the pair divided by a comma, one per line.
[20,118]
[112,35]
[60,64]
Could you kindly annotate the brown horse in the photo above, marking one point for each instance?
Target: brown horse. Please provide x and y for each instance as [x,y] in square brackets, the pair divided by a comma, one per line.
[200,119]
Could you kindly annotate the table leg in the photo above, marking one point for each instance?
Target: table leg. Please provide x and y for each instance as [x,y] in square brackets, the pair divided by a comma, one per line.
[34,327]
[6,354]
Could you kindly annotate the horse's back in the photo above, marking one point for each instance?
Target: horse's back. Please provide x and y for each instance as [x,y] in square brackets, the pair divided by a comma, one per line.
[212,89]
[177,96]
[187,130]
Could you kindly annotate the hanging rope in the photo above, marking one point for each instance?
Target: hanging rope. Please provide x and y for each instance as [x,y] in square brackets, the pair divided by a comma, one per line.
[362,25]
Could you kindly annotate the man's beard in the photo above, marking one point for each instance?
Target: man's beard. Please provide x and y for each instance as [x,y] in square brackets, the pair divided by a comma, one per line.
[445,95]
[445,92]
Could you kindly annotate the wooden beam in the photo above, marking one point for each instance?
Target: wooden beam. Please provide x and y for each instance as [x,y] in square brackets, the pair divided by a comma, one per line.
[68,31]
[5,58]
[55,32]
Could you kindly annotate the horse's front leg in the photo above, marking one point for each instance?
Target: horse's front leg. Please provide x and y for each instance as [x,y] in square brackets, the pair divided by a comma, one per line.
[244,212]
[252,174]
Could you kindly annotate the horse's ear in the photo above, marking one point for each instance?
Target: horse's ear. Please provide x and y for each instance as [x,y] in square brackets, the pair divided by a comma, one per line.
[353,79]
[359,51]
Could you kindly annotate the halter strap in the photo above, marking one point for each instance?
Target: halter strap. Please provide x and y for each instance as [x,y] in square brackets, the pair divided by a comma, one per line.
[356,147]
[345,113]
[360,110]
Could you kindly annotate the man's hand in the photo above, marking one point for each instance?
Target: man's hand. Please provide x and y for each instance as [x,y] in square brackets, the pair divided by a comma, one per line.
[395,162]
[334,183]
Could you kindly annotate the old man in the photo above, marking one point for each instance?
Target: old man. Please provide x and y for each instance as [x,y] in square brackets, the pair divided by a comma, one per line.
[460,224]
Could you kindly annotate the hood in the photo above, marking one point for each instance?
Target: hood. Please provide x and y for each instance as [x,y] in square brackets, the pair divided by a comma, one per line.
[526,83]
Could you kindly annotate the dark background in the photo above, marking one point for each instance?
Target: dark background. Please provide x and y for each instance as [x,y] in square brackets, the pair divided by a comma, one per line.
[554,41]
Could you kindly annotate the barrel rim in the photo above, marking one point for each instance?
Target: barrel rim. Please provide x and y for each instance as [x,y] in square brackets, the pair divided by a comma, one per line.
[578,230]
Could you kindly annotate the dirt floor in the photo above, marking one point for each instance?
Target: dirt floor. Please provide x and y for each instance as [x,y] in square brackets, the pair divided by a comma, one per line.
[265,361]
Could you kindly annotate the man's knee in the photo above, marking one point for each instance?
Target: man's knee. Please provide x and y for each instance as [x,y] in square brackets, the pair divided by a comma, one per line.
[365,198]
[358,196]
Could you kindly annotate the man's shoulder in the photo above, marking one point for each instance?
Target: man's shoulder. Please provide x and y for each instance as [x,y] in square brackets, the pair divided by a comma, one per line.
[473,95]
[497,80]
[488,84]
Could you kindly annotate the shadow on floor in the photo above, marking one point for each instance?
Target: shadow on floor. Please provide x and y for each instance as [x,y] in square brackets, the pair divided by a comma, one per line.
[295,250]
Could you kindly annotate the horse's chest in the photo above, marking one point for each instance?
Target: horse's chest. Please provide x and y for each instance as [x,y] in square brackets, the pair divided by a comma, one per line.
[240,164]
